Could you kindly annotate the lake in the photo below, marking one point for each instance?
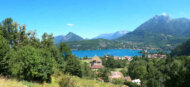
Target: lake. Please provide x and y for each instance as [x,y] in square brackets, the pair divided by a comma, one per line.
[113,52]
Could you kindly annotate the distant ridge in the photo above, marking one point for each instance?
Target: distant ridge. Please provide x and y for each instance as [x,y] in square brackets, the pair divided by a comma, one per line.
[111,36]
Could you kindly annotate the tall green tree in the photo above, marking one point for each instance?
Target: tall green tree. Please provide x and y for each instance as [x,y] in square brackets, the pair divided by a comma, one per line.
[4,49]
[138,70]
[73,66]
[10,31]
[65,50]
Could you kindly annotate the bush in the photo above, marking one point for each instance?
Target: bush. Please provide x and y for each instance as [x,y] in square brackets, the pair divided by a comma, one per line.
[31,64]
[118,81]
[66,81]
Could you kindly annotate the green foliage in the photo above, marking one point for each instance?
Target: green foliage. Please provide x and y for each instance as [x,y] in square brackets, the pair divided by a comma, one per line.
[9,31]
[182,50]
[124,72]
[4,50]
[65,50]
[104,74]
[118,81]
[86,72]
[73,66]
[138,69]
[66,81]
[110,62]
[177,71]
[31,64]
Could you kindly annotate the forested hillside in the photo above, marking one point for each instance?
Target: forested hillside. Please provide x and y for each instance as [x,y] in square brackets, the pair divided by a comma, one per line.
[169,72]
[182,50]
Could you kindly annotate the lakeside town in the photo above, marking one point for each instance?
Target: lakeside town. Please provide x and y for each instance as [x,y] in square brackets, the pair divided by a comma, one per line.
[95,64]
[94,43]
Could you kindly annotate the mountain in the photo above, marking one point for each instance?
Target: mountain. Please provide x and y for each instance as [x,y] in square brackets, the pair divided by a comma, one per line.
[160,32]
[111,36]
[69,37]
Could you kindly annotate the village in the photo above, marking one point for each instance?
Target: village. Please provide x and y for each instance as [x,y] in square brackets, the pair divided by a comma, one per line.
[95,64]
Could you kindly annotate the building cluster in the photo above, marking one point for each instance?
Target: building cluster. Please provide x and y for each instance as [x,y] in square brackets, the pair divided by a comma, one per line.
[96,64]
[157,56]
[119,75]
[123,58]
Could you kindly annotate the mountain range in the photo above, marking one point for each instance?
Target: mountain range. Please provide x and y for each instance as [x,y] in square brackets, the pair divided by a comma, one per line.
[111,36]
[73,37]
[160,31]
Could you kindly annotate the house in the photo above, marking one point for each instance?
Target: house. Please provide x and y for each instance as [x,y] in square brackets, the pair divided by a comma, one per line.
[128,78]
[137,81]
[115,75]
[96,63]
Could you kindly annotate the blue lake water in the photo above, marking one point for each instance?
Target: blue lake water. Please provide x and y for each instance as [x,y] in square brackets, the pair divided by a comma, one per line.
[113,52]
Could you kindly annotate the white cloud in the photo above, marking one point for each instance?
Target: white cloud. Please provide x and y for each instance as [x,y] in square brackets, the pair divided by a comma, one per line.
[70,25]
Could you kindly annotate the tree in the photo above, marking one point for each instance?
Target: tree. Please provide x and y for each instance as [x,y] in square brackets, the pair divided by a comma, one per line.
[154,76]
[65,50]
[73,66]
[31,64]
[104,74]
[10,31]
[4,49]
[1,30]
[86,72]
[33,41]
[138,70]
[176,72]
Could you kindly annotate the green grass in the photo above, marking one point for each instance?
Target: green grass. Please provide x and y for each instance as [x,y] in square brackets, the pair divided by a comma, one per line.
[4,82]
[79,82]
[87,61]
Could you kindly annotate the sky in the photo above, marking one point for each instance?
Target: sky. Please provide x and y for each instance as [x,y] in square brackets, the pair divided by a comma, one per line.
[88,18]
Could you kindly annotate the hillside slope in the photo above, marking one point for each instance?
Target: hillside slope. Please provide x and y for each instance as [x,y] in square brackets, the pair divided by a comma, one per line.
[4,82]
[182,50]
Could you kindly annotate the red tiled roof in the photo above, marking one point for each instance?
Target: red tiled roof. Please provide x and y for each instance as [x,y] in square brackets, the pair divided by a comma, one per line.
[128,79]
[96,66]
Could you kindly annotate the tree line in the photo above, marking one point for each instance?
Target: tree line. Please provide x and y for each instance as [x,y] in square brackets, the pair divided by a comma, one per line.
[26,57]
[174,71]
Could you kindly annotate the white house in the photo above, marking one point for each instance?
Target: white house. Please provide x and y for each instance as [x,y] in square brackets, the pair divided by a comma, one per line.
[137,81]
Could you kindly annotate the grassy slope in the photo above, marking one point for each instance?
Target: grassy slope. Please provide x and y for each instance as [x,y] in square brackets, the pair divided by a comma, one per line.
[78,81]
[10,83]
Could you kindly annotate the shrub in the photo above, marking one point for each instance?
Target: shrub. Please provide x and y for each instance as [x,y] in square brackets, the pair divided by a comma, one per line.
[31,64]
[119,81]
[66,81]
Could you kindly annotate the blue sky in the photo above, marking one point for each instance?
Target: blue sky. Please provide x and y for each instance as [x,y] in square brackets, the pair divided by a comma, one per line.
[88,18]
